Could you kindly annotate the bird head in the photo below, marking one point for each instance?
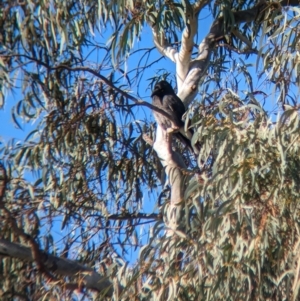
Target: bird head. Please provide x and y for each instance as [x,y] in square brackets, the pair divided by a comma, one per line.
[162,88]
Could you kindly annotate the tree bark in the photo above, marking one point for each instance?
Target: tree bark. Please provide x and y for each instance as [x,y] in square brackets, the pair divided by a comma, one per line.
[60,266]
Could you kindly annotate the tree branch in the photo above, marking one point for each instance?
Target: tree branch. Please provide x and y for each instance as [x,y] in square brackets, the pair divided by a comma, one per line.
[187,44]
[199,65]
[163,46]
[129,216]
[60,266]
[172,162]
[183,57]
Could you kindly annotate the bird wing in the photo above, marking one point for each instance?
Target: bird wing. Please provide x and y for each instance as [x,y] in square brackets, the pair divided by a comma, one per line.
[174,103]
[175,107]
[156,101]
[162,120]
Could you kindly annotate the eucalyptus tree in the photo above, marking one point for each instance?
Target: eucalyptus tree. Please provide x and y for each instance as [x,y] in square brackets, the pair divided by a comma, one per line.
[95,180]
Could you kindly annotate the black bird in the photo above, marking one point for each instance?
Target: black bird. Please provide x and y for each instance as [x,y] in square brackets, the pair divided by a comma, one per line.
[164,97]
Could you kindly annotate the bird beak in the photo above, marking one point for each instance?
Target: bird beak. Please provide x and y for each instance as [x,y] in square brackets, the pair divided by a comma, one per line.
[154,92]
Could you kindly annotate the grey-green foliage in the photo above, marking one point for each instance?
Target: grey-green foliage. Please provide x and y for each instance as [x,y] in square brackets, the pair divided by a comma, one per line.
[85,169]
[243,238]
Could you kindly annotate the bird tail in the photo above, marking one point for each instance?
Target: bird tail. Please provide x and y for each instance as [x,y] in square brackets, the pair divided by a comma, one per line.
[186,138]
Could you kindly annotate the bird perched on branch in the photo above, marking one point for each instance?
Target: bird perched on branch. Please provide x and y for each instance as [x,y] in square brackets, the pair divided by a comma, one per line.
[164,98]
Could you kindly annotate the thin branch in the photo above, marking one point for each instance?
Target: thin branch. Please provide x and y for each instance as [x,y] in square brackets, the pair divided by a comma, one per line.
[126,216]
[240,36]
[103,78]
[147,139]
[239,51]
